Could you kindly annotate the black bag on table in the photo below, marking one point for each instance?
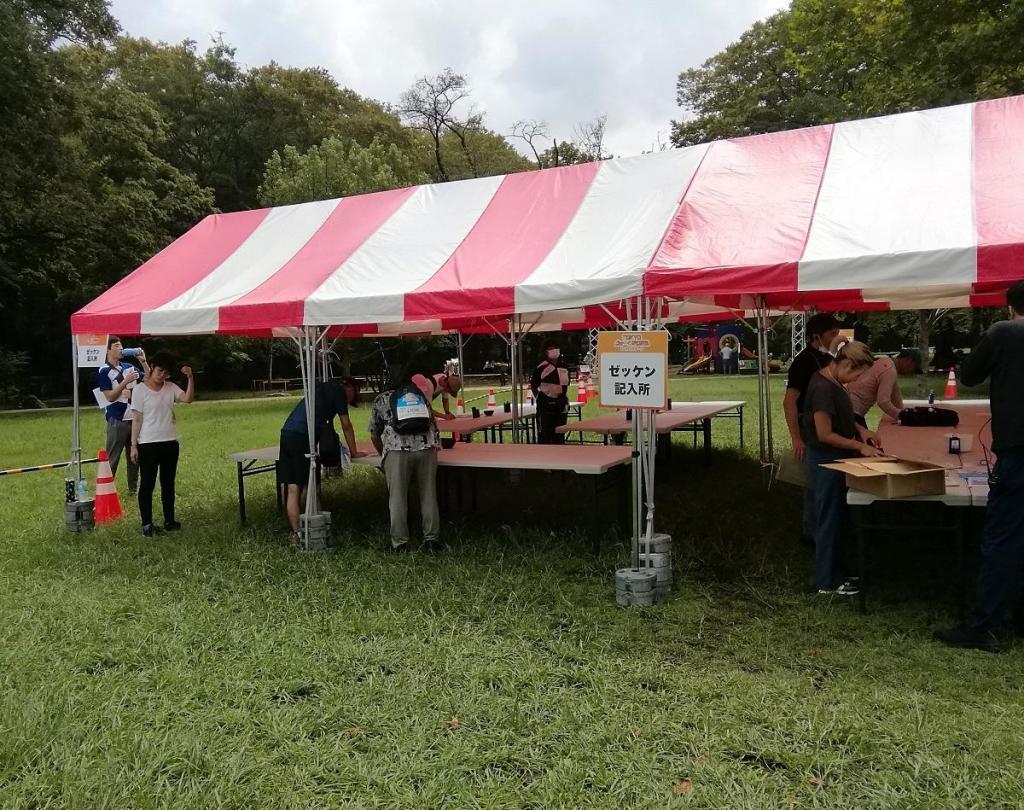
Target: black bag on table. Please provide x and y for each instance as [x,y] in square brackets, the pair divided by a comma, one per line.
[929,416]
[328,444]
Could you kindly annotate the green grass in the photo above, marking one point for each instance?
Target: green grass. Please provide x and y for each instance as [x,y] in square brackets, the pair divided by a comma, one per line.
[217,668]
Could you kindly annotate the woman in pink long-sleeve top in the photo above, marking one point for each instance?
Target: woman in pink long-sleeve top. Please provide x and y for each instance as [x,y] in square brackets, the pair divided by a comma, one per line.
[878,385]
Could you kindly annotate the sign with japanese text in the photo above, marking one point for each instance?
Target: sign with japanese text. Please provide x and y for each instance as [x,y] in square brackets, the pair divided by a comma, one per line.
[92,350]
[634,369]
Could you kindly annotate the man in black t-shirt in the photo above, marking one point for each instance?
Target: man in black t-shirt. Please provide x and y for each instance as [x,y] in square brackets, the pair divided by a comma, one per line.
[999,357]
[822,330]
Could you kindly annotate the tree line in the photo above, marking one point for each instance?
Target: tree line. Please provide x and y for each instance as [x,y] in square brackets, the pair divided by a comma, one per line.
[825,61]
[112,146]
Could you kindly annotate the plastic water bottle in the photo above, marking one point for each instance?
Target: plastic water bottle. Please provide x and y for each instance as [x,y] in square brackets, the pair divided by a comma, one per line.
[931,397]
[83,490]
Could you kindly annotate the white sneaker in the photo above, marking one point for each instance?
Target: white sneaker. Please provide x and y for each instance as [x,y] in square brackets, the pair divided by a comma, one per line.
[848,588]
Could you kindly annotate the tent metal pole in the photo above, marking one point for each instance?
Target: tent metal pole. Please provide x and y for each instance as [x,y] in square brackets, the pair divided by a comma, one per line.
[462,368]
[519,382]
[768,390]
[76,424]
[307,365]
[636,483]
[514,370]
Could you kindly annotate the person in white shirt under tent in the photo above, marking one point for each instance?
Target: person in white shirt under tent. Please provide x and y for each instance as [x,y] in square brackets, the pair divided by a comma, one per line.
[155,438]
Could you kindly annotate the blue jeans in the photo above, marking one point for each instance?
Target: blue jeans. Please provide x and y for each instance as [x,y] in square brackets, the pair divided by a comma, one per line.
[829,490]
[1001,562]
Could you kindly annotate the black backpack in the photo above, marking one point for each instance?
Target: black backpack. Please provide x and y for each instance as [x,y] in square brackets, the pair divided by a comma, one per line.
[328,445]
[410,410]
[929,416]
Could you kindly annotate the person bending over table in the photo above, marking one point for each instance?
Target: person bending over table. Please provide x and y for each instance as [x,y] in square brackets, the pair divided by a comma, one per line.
[403,431]
[999,356]
[550,383]
[822,330]
[830,433]
[155,438]
[877,385]
[445,385]
[333,397]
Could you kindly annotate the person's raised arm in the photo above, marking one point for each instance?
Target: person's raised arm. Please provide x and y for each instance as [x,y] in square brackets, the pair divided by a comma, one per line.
[190,390]
[114,393]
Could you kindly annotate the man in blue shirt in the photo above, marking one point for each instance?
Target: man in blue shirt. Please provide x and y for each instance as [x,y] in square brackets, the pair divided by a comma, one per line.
[115,381]
[332,397]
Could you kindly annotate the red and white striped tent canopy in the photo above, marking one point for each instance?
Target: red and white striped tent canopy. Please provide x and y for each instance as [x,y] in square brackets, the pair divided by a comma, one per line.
[922,209]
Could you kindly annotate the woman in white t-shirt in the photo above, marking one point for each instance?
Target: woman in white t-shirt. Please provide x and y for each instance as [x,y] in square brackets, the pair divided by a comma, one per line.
[155,438]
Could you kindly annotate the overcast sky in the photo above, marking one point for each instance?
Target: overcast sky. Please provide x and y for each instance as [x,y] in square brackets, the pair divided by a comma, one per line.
[561,62]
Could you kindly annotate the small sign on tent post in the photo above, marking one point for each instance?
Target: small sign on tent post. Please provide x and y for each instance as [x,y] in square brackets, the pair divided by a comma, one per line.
[92,350]
[634,369]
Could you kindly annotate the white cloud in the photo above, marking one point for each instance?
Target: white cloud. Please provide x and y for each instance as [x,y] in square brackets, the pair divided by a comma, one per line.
[561,62]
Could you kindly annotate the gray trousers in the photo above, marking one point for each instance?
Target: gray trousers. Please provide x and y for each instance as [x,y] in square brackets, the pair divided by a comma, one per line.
[119,439]
[400,470]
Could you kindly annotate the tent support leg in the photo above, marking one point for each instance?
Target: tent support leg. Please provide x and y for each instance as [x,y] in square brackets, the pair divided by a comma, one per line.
[76,422]
[309,340]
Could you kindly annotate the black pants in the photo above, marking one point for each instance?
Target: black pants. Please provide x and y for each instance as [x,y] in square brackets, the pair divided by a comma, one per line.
[1001,566]
[552,413]
[153,457]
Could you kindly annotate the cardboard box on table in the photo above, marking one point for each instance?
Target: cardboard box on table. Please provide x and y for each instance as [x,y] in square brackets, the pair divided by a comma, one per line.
[887,477]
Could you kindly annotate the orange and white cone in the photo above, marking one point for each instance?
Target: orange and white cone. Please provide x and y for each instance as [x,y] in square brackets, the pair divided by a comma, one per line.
[460,409]
[581,391]
[107,504]
[491,401]
[950,385]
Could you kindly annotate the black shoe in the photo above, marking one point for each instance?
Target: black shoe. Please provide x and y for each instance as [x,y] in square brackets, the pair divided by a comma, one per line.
[399,549]
[433,547]
[171,526]
[967,638]
[149,530]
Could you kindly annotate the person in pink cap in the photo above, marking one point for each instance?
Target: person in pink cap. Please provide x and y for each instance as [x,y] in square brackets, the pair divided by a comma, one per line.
[445,385]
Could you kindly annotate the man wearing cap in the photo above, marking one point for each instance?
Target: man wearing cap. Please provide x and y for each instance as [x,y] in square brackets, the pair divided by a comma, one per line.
[447,385]
[333,397]
[822,330]
[999,356]
[115,381]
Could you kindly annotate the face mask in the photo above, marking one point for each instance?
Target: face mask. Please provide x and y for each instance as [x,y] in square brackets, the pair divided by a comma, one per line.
[554,354]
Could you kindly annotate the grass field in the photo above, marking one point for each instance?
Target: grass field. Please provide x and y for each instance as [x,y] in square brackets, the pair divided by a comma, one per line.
[218,668]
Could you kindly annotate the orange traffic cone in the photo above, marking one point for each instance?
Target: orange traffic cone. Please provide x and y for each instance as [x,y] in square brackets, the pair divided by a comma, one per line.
[581,391]
[108,505]
[950,385]
[491,401]
[460,409]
